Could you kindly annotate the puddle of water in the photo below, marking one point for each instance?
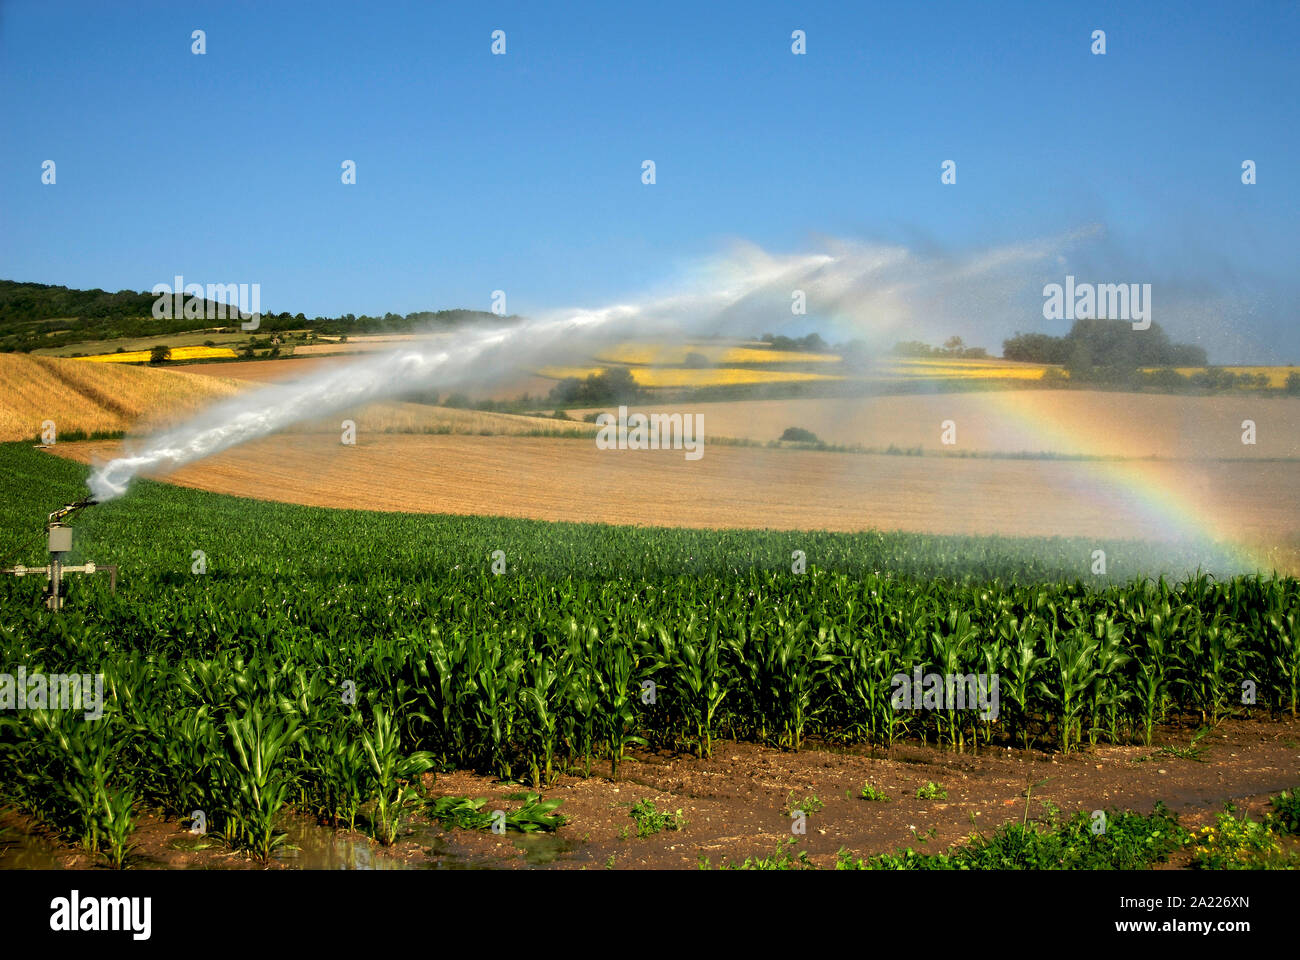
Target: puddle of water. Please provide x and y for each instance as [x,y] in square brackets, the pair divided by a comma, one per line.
[543,848]
[310,846]
[20,850]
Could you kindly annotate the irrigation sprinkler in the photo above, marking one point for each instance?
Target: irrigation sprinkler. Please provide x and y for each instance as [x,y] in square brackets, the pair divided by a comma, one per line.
[60,542]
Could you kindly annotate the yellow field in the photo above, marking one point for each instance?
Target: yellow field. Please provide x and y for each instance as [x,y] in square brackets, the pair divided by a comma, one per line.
[924,369]
[690,377]
[640,354]
[178,353]
[92,396]
[1276,375]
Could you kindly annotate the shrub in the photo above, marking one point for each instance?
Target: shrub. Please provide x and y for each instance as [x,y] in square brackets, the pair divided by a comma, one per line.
[650,821]
[932,791]
[799,435]
[874,794]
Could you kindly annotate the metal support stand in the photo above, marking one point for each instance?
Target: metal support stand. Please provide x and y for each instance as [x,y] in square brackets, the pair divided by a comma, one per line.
[60,543]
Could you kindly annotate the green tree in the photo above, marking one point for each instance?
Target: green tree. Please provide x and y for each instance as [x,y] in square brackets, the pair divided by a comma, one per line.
[160,353]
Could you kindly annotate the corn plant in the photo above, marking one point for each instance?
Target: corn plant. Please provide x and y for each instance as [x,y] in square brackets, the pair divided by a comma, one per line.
[391,774]
[1073,673]
[258,774]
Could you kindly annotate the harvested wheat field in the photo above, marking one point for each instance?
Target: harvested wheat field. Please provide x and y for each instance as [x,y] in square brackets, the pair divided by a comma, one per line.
[91,397]
[1065,422]
[286,370]
[748,487]
[400,417]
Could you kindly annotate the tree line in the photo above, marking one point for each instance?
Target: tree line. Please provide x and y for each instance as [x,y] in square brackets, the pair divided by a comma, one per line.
[44,315]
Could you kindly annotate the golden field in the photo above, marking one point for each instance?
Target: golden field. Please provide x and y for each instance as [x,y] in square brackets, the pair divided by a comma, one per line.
[110,397]
[93,396]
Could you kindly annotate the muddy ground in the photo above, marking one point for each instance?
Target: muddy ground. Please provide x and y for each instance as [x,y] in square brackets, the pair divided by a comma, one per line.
[735,805]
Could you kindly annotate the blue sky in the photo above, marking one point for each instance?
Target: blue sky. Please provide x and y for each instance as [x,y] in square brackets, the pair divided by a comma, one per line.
[523,172]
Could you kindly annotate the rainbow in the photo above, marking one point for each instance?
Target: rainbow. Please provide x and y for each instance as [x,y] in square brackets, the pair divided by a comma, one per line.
[1165,498]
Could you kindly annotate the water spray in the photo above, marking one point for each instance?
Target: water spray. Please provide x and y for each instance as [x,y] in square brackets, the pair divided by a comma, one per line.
[869,288]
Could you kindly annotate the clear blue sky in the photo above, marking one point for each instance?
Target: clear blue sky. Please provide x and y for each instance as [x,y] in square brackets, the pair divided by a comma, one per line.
[522,172]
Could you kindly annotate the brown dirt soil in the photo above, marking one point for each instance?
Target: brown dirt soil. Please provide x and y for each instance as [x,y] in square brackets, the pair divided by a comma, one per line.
[735,804]
[1075,422]
[749,487]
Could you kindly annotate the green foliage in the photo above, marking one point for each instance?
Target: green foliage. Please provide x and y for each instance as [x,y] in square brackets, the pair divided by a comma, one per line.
[873,793]
[42,315]
[535,815]
[650,821]
[1239,843]
[392,773]
[1286,811]
[932,791]
[808,805]
[609,386]
[1130,841]
[783,858]
[1095,346]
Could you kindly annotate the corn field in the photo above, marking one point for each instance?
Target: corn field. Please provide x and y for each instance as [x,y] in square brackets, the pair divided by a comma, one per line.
[325,660]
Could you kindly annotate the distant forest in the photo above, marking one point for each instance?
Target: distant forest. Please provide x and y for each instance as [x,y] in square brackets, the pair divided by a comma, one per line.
[1105,344]
[40,315]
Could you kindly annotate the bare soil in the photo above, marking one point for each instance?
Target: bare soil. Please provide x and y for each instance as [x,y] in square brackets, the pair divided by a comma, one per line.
[735,804]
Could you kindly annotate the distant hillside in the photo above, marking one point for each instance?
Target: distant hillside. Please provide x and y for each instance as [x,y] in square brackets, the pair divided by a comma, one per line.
[36,315]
